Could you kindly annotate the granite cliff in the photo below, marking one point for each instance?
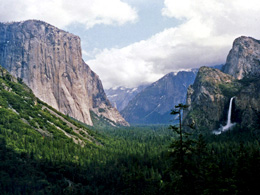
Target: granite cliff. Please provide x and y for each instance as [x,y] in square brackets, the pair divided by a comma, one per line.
[21,111]
[244,58]
[49,61]
[207,103]
[208,98]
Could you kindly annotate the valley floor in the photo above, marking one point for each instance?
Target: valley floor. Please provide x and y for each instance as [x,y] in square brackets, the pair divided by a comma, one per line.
[136,160]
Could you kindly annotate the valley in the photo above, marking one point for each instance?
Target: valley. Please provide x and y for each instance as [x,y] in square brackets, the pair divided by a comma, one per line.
[60,134]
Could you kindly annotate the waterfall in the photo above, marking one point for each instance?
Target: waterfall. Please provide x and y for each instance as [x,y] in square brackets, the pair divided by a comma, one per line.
[229,124]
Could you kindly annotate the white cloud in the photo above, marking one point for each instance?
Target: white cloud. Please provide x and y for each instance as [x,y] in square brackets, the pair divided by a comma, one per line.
[204,38]
[222,16]
[62,13]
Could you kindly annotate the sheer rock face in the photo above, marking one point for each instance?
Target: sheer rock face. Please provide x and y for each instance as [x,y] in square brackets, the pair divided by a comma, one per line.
[210,94]
[49,61]
[244,58]
[207,103]
[208,99]
[247,105]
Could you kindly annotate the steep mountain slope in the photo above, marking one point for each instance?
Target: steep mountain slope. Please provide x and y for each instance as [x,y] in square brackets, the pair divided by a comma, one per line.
[206,99]
[247,103]
[21,112]
[121,96]
[209,96]
[49,61]
[154,103]
[244,58]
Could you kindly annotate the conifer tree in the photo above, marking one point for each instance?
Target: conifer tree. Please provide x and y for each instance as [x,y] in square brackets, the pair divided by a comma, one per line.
[181,151]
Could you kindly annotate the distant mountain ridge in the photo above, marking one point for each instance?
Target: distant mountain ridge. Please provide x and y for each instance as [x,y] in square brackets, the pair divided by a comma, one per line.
[160,114]
[121,96]
[49,61]
[154,103]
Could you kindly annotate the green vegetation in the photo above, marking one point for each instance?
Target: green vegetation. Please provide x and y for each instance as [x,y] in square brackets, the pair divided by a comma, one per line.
[246,81]
[20,111]
[230,89]
[38,157]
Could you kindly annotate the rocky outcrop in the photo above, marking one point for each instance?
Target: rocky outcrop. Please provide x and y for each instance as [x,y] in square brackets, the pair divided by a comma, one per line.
[153,104]
[247,104]
[206,100]
[210,94]
[244,58]
[49,61]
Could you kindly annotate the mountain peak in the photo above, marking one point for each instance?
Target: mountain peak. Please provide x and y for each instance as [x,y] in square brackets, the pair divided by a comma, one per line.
[244,58]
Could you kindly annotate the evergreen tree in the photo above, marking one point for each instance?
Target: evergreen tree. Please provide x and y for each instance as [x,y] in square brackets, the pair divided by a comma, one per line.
[181,151]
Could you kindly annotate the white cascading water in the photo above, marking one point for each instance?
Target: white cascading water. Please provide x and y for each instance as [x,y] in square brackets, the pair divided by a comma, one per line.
[229,124]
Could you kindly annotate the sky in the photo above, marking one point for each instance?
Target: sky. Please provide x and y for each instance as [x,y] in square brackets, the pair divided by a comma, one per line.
[133,42]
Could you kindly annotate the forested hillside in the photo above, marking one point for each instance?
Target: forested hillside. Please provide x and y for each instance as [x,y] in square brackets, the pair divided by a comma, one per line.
[21,112]
[45,152]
